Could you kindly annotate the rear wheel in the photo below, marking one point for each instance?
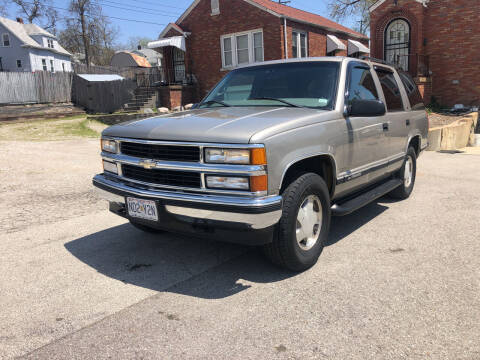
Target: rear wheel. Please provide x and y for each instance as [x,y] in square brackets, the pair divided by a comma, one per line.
[146,228]
[304,225]
[408,174]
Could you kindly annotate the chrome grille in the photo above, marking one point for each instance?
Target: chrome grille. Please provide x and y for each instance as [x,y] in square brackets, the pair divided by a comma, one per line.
[161,152]
[162,177]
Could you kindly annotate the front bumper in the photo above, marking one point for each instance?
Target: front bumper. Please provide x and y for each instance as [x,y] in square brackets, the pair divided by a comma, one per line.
[240,212]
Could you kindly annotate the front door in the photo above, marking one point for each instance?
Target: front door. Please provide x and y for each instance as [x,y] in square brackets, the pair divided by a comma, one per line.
[366,135]
[178,65]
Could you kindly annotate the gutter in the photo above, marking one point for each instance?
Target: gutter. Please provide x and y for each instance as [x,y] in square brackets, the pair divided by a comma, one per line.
[285,36]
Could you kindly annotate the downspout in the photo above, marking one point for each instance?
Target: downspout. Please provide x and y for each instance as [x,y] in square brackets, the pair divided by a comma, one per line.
[285,37]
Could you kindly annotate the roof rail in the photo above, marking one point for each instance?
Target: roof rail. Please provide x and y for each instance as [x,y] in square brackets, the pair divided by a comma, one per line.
[369,58]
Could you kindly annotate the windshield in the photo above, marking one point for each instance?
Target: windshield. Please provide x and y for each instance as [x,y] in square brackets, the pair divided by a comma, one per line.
[303,84]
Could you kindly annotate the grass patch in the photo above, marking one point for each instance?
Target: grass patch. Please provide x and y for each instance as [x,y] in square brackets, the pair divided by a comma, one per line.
[52,129]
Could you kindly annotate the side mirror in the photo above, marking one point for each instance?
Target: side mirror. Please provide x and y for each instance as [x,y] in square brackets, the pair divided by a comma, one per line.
[367,108]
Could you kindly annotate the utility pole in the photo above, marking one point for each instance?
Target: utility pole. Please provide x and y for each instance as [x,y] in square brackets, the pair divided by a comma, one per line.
[361,25]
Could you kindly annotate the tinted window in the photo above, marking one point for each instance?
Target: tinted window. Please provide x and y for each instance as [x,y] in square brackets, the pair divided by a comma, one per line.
[361,86]
[308,84]
[413,94]
[391,91]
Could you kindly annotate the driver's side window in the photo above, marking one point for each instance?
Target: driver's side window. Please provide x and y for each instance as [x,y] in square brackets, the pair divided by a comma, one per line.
[361,85]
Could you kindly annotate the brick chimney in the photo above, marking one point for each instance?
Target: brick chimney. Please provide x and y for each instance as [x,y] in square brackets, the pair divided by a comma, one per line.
[20,20]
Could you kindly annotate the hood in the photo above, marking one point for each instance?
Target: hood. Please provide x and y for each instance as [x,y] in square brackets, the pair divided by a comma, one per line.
[219,125]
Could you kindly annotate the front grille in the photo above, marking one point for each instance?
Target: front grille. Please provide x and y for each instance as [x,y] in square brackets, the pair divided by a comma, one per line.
[161,152]
[162,177]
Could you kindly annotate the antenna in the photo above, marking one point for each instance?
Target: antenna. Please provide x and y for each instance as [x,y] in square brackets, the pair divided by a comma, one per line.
[283,2]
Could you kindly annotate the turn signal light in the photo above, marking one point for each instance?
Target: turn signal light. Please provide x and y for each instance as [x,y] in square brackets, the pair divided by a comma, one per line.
[258,156]
[258,183]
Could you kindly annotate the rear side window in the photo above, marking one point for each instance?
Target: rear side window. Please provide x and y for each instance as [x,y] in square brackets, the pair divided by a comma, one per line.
[413,94]
[391,91]
[361,85]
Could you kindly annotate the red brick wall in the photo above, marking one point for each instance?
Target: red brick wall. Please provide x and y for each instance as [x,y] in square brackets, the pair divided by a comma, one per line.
[203,45]
[317,39]
[447,32]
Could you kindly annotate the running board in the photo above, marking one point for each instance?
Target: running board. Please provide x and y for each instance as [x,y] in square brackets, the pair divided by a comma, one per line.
[365,198]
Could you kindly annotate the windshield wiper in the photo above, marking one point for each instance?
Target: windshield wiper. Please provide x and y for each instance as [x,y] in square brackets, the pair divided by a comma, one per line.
[210,102]
[276,99]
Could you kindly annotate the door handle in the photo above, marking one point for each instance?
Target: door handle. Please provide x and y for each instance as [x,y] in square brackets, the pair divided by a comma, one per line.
[385,126]
[408,122]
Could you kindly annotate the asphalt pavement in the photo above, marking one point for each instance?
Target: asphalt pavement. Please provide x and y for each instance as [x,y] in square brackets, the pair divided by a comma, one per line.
[398,279]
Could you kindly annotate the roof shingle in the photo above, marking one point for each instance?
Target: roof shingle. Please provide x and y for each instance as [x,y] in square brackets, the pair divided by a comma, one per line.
[304,16]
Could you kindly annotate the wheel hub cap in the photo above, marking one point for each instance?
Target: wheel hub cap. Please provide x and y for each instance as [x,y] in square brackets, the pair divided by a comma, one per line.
[408,173]
[309,222]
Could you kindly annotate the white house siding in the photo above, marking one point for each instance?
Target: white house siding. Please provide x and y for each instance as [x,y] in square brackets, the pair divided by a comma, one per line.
[12,53]
[36,56]
[31,57]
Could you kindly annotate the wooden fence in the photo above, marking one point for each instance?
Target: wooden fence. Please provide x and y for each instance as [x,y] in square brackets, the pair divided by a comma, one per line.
[38,87]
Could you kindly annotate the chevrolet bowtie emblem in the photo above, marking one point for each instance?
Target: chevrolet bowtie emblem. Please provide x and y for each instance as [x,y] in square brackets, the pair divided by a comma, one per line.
[147,163]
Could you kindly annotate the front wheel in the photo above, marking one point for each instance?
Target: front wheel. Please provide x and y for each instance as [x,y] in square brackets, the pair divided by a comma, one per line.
[303,228]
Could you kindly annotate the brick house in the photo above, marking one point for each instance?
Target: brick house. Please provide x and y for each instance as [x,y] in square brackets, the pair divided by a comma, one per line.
[436,41]
[214,36]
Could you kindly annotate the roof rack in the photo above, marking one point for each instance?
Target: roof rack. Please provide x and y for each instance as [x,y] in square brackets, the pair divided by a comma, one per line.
[369,58]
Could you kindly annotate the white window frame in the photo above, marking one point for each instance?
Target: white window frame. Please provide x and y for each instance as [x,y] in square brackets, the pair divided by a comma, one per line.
[44,65]
[50,43]
[21,65]
[215,6]
[9,40]
[52,65]
[251,49]
[299,46]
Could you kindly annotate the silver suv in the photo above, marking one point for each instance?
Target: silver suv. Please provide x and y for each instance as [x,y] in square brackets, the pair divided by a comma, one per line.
[272,152]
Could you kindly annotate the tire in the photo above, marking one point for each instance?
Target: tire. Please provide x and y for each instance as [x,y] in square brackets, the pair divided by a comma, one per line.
[304,196]
[403,191]
[146,228]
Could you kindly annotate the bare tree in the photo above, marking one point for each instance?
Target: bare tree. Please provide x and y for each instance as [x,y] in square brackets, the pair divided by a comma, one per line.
[40,11]
[352,9]
[3,7]
[88,31]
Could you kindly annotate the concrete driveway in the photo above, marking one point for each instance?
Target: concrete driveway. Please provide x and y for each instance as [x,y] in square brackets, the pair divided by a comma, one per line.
[397,279]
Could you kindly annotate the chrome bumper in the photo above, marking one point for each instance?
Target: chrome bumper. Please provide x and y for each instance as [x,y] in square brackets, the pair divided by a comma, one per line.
[256,213]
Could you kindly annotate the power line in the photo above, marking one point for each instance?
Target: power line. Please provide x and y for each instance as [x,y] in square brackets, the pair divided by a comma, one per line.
[106,16]
[157,11]
[138,11]
[153,3]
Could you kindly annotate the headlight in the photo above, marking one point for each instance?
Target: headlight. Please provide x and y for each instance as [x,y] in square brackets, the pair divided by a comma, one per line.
[109,146]
[226,182]
[254,156]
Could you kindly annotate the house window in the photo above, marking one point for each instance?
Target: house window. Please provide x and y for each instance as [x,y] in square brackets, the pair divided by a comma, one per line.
[299,44]
[50,43]
[242,48]
[6,39]
[215,7]
[51,66]
[44,65]
[397,43]
[1,64]
[63,67]
[19,64]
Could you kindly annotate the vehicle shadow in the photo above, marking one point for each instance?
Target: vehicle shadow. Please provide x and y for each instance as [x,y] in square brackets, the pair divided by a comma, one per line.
[191,266]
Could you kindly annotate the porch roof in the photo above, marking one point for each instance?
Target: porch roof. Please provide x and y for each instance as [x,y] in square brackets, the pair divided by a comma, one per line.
[177,41]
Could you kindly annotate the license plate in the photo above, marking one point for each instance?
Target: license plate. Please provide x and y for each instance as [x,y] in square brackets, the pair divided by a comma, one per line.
[143,209]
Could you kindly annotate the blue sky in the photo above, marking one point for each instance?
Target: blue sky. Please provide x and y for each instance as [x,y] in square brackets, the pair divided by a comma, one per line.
[160,13]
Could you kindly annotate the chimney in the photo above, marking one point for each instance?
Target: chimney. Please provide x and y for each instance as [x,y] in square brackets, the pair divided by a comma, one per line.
[139,47]
[20,20]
